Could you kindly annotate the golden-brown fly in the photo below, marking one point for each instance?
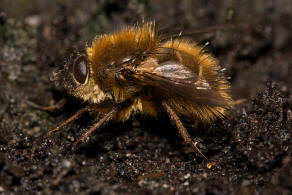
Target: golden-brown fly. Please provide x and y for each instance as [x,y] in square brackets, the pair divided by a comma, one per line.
[134,71]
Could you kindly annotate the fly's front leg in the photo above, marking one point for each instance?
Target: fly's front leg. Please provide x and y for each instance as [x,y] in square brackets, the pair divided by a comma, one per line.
[60,104]
[106,118]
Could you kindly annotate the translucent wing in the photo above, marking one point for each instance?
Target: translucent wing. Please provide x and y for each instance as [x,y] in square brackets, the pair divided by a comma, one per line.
[178,79]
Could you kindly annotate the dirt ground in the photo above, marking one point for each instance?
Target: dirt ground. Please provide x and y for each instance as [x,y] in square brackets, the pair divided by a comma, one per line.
[249,152]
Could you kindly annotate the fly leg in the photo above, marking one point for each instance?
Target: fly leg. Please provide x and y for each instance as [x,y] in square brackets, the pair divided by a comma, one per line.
[72,118]
[97,125]
[60,104]
[181,129]
[107,117]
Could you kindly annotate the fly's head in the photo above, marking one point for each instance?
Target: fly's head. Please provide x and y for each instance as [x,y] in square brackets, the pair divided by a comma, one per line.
[76,78]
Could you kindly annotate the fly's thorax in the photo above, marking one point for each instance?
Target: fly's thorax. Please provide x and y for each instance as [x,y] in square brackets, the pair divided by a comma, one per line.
[110,52]
[106,72]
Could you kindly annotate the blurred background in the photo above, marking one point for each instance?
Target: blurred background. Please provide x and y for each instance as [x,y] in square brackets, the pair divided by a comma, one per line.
[251,39]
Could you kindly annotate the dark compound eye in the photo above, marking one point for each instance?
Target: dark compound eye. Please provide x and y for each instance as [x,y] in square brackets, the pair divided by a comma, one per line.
[80,69]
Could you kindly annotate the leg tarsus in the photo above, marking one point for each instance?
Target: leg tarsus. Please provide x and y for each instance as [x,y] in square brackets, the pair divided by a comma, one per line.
[60,104]
[238,102]
[182,129]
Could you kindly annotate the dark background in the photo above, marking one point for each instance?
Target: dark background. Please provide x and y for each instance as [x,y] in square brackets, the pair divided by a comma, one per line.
[250,149]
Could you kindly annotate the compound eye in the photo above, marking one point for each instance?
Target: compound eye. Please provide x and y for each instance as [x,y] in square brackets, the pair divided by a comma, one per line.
[80,69]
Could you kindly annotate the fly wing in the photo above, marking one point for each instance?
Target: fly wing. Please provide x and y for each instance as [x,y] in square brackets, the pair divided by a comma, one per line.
[178,79]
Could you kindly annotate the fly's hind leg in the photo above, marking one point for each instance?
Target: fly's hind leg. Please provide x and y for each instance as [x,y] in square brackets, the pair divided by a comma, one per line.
[182,129]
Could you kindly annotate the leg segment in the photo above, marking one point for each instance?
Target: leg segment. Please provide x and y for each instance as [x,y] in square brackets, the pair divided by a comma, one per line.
[103,120]
[72,118]
[60,104]
[182,129]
